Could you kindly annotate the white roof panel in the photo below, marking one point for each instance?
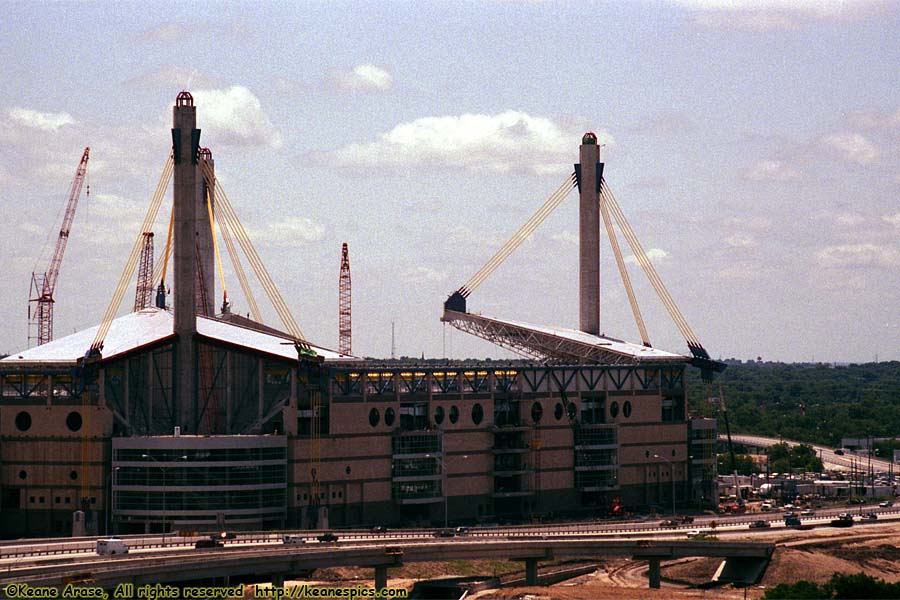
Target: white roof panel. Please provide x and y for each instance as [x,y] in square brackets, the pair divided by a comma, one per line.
[638,351]
[151,325]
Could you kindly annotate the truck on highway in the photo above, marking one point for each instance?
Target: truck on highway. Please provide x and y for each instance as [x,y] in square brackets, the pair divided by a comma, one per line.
[111,547]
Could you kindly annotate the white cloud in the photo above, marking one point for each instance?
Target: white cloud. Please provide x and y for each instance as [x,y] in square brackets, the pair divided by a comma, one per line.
[859,255]
[235,116]
[424,273]
[741,240]
[853,147]
[172,77]
[503,142]
[288,232]
[766,15]
[165,32]
[772,170]
[45,121]
[363,78]
[656,255]
[567,237]
[892,219]
[666,124]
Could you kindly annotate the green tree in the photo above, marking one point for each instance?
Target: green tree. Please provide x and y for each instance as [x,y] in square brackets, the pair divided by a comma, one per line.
[802,590]
[860,585]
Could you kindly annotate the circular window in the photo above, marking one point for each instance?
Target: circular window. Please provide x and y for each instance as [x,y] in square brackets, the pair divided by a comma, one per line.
[347,470]
[673,452]
[73,421]
[389,416]
[73,475]
[613,409]
[23,421]
[558,411]
[572,410]
[626,409]
[537,411]
[647,454]
[439,415]
[374,417]
[454,414]
[477,414]
[23,474]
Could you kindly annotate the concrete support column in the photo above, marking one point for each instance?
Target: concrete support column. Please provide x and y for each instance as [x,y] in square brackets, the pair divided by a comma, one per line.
[185,191]
[589,236]
[531,571]
[380,577]
[653,573]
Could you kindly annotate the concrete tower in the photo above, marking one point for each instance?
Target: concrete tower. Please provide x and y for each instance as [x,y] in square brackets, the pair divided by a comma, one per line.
[205,248]
[589,172]
[187,198]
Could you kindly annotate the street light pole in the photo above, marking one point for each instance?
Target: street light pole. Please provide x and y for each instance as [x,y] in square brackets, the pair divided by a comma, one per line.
[672,474]
[164,469]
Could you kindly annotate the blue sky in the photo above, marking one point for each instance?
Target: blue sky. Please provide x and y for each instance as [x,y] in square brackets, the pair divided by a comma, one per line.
[753,144]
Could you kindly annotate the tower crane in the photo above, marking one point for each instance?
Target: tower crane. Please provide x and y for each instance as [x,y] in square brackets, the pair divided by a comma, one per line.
[43,284]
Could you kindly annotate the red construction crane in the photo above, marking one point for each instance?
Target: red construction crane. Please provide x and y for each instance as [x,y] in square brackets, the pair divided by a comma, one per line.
[43,284]
[345,345]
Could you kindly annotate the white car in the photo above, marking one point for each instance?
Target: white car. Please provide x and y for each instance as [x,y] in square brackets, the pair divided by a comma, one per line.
[697,533]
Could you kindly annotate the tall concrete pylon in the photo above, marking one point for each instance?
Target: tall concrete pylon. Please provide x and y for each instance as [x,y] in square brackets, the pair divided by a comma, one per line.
[590,173]
[187,190]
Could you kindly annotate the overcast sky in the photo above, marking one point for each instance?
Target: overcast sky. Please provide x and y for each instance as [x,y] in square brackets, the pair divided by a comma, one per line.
[754,146]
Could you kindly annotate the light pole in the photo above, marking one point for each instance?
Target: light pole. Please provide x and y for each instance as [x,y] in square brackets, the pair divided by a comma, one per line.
[672,473]
[164,468]
[109,503]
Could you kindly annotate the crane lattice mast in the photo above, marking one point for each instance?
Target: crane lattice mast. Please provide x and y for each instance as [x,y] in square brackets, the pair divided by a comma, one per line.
[144,291]
[44,284]
[345,337]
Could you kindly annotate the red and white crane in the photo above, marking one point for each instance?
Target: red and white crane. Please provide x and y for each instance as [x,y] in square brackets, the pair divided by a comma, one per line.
[40,319]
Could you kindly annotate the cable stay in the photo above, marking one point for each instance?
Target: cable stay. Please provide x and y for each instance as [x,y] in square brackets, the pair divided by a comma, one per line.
[128,272]
[238,267]
[701,357]
[457,300]
[623,273]
[229,217]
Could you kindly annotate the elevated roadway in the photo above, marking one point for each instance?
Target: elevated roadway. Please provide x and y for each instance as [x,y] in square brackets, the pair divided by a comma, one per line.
[826,453]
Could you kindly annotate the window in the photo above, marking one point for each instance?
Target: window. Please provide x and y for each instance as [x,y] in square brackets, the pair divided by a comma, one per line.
[389,416]
[613,409]
[23,421]
[558,411]
[374,417]
[537,411]
[439,415]
[73,475]
[477,414]
[626,409]
[454,414]
[73,421]
[23,474]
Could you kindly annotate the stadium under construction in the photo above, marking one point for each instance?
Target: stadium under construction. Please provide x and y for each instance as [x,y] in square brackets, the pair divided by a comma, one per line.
[173,417]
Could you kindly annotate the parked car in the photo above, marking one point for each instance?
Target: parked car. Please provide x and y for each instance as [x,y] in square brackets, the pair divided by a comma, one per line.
[462,530]
[869,517]
[886,503]
[210,543]
[807,512]
[760,524]
[327,537]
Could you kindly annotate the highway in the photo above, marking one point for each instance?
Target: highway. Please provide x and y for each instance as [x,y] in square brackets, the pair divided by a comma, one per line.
[826,453]
[154,556]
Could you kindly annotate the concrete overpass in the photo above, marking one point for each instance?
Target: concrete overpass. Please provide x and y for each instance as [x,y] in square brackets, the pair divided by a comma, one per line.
[278,563]
[826,453]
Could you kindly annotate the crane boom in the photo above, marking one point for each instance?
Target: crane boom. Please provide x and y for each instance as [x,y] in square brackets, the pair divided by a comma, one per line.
[44,284]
